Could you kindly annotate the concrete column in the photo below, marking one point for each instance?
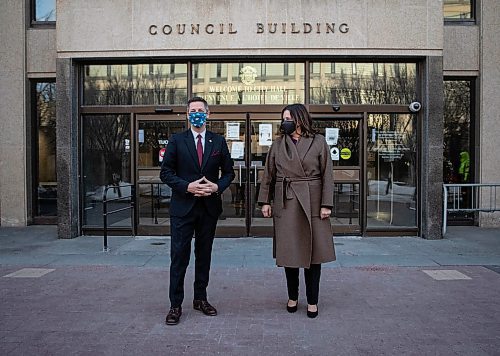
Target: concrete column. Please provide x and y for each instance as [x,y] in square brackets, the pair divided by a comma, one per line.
[489,106]
[432,149]
[13,115]
[67,150]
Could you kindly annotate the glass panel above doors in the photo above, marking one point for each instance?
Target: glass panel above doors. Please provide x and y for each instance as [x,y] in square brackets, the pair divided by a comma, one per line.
[249,83]
[135,84]
[255,83]
[363,83]
[392,170]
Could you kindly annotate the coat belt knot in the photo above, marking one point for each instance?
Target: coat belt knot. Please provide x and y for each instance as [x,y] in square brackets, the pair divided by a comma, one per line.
[287,182]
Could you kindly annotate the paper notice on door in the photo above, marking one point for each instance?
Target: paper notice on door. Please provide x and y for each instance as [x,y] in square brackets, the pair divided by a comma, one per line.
[232,130]
[335,153]
[141,136]
[265,134]
[331,135]
[237,150]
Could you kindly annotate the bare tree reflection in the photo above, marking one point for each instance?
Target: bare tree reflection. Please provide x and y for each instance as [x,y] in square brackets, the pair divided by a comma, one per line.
[45,166]
[45,10]
[402,145]
[456,127]
[394,84]
[130,85]
[106,161]
[156,135]
[46,113]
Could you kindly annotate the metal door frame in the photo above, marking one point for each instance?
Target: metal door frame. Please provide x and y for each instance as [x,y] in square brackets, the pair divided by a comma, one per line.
[147,116]
[362,126]
[248,117]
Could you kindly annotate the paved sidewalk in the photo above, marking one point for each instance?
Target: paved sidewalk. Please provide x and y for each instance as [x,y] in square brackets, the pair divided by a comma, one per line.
[384,296]
[38,245]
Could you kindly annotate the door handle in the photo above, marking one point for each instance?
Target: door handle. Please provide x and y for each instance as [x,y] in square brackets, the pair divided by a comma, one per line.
[255,175]
[240,174]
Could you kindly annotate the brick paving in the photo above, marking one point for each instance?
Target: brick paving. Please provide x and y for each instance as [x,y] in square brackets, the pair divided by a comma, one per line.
[370,303]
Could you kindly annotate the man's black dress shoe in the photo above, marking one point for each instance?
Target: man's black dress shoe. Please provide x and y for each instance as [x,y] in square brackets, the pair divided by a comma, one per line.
[173,316]
[205,307]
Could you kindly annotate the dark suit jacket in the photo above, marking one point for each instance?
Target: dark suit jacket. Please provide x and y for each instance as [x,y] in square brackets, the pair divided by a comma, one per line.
[180,167]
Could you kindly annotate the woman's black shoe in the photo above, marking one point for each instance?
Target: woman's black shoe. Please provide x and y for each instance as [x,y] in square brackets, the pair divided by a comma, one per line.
[312,314]
[291,309]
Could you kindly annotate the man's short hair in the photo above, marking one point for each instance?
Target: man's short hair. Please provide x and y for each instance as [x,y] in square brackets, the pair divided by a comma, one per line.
[195,99]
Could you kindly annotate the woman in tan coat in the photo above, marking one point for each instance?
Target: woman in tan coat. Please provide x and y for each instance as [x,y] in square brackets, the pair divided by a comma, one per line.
[297,191]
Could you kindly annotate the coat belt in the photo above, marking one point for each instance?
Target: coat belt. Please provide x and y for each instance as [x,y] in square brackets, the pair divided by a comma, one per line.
[287,181]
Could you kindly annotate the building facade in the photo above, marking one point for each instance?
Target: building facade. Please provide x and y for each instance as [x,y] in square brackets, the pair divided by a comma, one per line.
[404,92]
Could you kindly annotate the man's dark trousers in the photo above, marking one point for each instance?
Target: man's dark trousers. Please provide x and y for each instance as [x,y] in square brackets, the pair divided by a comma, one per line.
[202,225]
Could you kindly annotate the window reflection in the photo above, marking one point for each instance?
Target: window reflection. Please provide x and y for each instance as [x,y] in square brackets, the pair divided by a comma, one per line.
[106,161]
[345,140]
[458,160]
[457,130]
[391,170]
[135,84]
[249,83]
[363,83]
[45,10]
[457,9]
[45,165]
[153,140]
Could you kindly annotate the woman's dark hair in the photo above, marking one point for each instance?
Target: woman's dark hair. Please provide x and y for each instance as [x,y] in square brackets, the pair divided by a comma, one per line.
[301,117]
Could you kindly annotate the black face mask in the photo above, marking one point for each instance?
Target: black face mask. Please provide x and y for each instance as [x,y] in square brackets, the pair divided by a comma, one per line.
[288,127]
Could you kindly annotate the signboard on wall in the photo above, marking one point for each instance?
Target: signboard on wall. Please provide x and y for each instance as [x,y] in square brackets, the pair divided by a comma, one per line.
[390,145]
[240,26]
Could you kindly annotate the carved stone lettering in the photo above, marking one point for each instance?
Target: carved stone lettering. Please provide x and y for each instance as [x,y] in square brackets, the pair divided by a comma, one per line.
[261,28]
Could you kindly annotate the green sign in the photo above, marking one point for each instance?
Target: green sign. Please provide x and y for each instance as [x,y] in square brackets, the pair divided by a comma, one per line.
[345,153]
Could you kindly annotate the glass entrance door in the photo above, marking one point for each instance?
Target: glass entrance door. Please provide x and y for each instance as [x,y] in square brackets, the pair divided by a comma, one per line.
[249,137]
[233,127]
[264,129]
[343,135]
[153,197]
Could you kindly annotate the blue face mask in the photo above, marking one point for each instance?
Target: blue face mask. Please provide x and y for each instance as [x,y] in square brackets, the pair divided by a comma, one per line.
[197,119]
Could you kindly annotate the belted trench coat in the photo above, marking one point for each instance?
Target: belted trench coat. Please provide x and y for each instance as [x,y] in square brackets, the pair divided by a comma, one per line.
[297,182]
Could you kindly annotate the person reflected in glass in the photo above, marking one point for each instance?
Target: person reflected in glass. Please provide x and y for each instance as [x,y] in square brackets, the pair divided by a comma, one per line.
[463,169]
[463,172]
[297,192]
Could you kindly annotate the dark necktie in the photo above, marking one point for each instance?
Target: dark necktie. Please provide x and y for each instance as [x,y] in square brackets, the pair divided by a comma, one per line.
[199,149]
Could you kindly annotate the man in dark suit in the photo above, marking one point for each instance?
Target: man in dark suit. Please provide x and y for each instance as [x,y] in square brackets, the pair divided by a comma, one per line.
[198,167]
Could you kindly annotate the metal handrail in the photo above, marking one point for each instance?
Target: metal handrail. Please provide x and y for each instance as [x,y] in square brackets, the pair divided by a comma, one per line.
[105,212]
[155,197]
[454,192]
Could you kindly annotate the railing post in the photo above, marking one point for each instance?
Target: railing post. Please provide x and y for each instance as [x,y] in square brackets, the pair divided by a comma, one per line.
[105,212]
[151,196]
[132,209]
[492,199]
[495,198]
[105,220]
[445,208]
